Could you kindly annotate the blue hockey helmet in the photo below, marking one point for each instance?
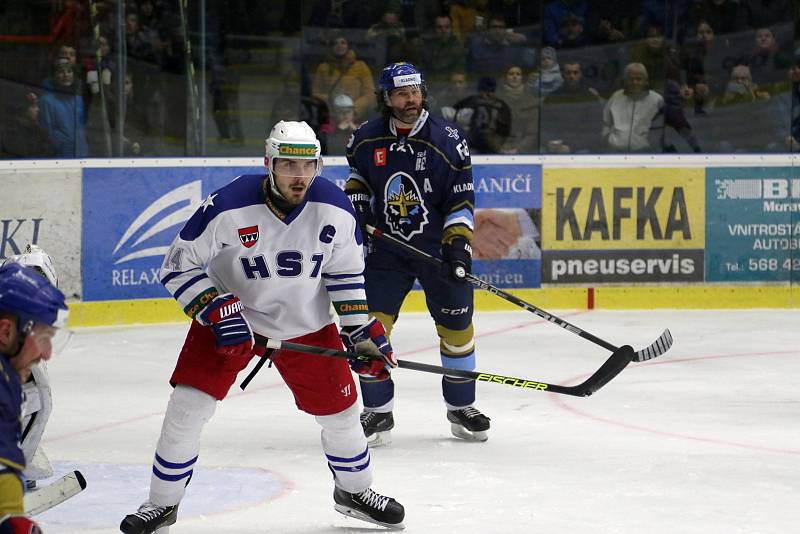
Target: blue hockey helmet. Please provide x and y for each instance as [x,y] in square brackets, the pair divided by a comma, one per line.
[403,74]
[31,298]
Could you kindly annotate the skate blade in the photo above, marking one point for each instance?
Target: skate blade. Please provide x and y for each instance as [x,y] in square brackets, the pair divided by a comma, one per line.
[462,433]
[355,514]
[379,439]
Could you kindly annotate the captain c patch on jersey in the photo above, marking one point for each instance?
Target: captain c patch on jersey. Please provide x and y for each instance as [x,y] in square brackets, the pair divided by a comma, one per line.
[248,236]
[405,210]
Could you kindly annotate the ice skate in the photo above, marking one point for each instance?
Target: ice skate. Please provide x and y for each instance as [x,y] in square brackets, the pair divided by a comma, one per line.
[150,519]
[468,424]
[377,427]
[371,507]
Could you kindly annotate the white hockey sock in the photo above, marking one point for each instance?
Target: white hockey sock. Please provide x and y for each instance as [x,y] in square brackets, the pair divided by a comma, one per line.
[188,411]
[346,449]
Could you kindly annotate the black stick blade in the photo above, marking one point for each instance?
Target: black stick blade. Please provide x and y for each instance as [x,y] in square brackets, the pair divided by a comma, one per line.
[611,368]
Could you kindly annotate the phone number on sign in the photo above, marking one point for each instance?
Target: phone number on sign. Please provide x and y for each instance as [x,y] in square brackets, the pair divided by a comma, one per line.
[773,264]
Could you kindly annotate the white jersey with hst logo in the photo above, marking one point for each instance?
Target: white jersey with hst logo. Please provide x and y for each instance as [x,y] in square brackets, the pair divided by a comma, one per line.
[286,271]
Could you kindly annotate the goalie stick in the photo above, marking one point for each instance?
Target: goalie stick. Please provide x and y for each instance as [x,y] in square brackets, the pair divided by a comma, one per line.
[611,368]
[54,494]
[654,350]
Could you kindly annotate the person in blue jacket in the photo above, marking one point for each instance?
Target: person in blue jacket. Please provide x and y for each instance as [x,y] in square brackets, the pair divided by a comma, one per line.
[63,113]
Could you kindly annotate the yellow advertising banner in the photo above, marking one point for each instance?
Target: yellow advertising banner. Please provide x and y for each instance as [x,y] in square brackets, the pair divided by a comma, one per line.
[623,208]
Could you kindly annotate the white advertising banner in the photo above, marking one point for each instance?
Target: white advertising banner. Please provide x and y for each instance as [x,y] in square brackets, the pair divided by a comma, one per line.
[43,207]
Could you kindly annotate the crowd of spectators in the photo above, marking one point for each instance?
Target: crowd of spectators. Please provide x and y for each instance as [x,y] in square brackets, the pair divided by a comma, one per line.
[521,77]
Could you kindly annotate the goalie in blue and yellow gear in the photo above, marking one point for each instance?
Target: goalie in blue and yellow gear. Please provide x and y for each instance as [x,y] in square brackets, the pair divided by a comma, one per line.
[411,177]
[31,312]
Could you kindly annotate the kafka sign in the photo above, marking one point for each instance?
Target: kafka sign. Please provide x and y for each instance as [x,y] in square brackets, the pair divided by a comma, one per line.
[622,225]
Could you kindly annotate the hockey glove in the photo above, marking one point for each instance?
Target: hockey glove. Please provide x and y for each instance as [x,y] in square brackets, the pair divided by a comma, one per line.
[364,216]
[233,333]
[370,338]
[456,260]
[17,524]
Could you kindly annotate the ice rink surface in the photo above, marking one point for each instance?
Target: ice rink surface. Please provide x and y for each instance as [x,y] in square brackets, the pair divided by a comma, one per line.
[705,439]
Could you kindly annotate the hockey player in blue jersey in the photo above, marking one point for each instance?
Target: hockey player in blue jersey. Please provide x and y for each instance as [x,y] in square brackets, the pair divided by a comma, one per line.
[411,177]
[31,312]
[269,254]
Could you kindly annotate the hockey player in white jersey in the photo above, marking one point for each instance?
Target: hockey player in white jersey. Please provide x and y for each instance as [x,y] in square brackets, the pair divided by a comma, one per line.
[268,254]
[39,400]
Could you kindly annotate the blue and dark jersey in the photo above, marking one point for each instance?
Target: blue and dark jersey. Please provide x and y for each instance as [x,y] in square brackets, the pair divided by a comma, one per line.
[12,461]
[421,184]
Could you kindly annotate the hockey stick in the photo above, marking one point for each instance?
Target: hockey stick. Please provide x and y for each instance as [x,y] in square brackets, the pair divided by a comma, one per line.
[655,349]
[256,369]
[54,494]
[611,368]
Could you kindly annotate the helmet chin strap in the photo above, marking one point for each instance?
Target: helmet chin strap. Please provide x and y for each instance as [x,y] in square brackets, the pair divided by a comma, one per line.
[274,188]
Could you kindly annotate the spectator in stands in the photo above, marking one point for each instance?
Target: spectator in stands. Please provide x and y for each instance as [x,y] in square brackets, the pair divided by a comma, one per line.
[139,44]
[791,107]
[570,116]
[342,73]
[742,121]
[741,89]
[672,16]
[677,96]
[389,34]
[339,14]
[23,136]
[548,78]
[63,113]
[555,18]
[443,103]
[706,67]
[468,16]
[491,52]
[767,62]
[651,52]
[524,135]
[762,13]
[628,117]
[572,33]
[442,53]
[612,21]
[425,14]
[342,126]
[725,16]
[485,118]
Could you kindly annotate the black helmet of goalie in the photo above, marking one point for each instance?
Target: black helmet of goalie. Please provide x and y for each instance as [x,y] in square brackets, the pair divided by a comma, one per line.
[291,140]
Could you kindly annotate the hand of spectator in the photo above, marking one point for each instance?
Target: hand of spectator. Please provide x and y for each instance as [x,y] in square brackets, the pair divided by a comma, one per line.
[594,92]
[496,232]
[516,38]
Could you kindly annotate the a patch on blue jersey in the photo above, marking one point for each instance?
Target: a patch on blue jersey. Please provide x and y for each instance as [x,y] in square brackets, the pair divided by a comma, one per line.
[405,210]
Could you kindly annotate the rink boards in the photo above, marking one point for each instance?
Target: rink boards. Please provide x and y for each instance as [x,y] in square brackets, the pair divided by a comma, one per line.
[605,232]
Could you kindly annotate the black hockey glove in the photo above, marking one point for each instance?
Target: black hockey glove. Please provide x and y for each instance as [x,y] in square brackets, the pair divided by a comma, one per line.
[361,203]
[456,260]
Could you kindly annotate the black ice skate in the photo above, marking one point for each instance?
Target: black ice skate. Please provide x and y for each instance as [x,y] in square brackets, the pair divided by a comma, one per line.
[377,427]
[468,423]
[149,518]
[370,506]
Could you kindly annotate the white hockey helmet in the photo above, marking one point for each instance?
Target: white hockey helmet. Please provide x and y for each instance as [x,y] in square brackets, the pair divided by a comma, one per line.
[34,256]
[292,140]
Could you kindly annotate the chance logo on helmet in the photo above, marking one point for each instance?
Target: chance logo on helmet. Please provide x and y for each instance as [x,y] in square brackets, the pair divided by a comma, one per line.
[405,210]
